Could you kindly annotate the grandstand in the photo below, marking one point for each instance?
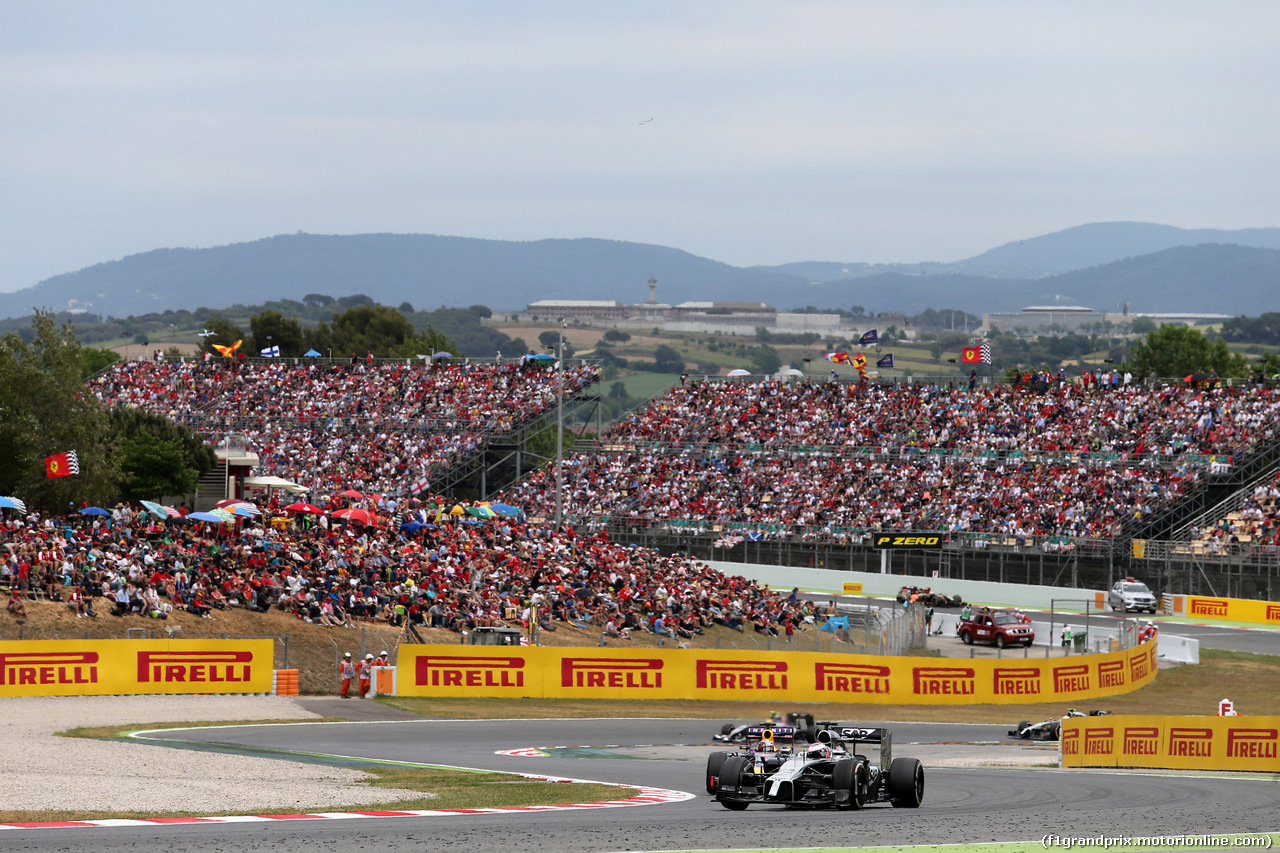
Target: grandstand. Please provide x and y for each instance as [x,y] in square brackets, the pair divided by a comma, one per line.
[1046,486]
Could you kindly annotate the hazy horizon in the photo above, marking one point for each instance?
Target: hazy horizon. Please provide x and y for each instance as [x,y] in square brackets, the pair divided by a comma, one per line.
[753,133]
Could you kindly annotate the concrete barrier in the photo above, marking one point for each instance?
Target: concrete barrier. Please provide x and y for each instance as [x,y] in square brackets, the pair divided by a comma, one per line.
[887,586]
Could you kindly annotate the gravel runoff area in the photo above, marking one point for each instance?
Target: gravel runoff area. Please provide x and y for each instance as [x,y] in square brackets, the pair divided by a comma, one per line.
[40,771]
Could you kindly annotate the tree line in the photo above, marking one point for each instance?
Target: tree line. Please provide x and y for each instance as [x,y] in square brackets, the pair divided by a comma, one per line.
[45,409]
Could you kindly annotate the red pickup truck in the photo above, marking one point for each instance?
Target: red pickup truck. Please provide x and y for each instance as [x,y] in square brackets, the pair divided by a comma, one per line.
[999,627]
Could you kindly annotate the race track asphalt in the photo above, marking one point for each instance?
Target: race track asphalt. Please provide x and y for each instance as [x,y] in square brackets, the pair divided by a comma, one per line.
[961,805]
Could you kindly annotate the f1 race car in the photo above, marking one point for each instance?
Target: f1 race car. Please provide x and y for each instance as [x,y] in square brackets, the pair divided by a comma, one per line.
[928,597]
[1049,729]
[801,725]
[830,773]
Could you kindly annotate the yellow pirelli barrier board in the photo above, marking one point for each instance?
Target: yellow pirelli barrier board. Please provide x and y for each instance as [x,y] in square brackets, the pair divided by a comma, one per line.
[1175,743]
[105,667]
[586,673]
[1234,609]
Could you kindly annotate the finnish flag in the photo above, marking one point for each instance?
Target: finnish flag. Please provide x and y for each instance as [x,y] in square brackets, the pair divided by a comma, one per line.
[272,352]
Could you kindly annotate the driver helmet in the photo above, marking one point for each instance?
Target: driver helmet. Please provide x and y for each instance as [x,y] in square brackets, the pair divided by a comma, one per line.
[766,746]
[817,751]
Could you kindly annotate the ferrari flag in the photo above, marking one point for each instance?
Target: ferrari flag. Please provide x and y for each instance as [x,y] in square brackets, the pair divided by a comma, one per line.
[62,465]
[976,355]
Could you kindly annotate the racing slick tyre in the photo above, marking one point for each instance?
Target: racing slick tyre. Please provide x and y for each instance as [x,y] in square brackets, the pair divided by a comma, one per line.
[1022,729]
[906,783]
[730,772]
[714,762]
[1055,732]
[1000,643]
[850,776]
[727,728]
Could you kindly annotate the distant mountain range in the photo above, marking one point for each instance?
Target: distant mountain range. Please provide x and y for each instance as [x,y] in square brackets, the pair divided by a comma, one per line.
[1152,267]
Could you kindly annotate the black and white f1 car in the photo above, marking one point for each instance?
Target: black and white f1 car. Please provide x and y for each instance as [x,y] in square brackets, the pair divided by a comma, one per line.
[1049,729]
[830,773]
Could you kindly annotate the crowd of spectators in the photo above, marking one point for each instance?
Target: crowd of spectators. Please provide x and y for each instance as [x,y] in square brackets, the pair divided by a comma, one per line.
[455,573]
[824,460]
[330,426]
[832,495]
[1167,421]
[1256,522]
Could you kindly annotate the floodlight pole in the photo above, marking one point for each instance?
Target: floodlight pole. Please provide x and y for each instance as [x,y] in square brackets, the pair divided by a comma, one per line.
[560,428]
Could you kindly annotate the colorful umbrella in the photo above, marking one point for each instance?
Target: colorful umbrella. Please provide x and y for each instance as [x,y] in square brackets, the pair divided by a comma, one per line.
[13,503]
[505,509]
[206,517]
[246,510]
[224,514]
[481,512]
[155,509]
[739,372]
[359,516]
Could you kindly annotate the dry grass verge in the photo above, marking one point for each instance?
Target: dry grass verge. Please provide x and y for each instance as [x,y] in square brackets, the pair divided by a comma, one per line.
[441,789]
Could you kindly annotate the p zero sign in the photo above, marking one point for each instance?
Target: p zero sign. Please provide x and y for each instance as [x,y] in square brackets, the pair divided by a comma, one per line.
[906,540]
[99,667]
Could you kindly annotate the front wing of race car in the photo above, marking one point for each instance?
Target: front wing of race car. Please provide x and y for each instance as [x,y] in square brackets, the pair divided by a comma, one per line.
[745,779]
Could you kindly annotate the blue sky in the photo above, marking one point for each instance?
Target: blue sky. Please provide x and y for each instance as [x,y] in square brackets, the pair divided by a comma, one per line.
[747,132]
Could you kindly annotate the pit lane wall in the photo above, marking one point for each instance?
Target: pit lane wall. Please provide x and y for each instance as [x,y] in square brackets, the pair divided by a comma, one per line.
[1233,609]
[1172,743]
[110,667]
[587,673]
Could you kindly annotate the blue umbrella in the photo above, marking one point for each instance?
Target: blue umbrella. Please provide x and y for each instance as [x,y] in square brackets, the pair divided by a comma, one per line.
[442,354]
[542,356]
[412,526]
[311,354]
[202,516]
[505,509]
[94,510]
[13,503]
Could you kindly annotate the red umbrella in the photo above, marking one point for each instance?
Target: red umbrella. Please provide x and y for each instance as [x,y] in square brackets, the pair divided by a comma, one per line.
[351,493]
[359,516]
[304,507]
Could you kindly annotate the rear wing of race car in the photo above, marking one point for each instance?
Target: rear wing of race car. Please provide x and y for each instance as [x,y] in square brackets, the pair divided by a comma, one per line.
[855,736]
[779,734]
